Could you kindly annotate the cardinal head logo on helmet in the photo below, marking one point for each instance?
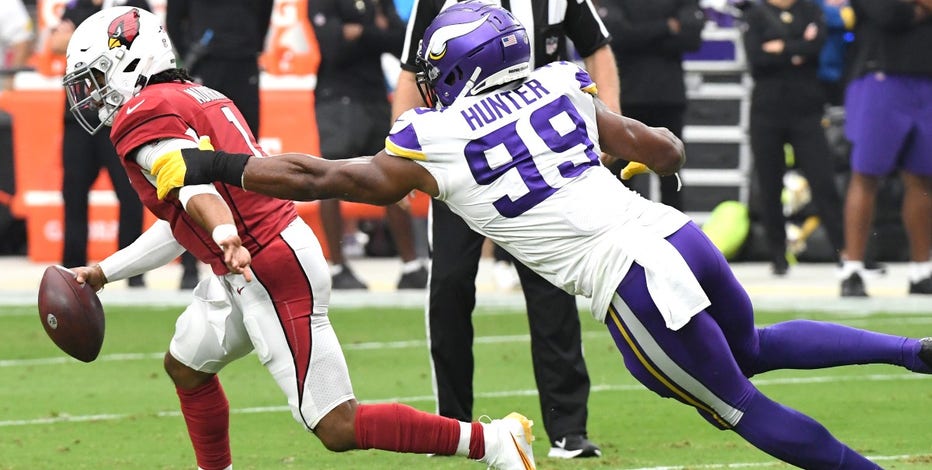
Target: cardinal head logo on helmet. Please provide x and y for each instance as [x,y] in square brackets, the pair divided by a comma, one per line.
[124,29]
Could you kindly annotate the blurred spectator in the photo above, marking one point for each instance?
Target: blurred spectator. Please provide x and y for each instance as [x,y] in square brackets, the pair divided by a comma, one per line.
[354,115]
[83,156]
[783,39]
[889,124]
[839,20]
[16,39]
[649,38]
[219,43]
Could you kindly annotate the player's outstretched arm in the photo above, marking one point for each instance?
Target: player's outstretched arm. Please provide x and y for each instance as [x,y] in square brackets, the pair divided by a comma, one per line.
[382,179]
[628,139]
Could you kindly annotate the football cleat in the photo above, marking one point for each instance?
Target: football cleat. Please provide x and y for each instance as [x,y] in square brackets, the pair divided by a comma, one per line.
[414,279]
[925,352]
[572,447]
[923,286]
[346,279]
[508,443]
[853,286]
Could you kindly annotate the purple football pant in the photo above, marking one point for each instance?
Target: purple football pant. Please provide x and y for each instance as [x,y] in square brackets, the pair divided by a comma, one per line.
[707,363]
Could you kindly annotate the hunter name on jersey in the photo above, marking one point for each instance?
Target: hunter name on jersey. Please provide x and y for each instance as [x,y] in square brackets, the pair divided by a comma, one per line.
[492,108]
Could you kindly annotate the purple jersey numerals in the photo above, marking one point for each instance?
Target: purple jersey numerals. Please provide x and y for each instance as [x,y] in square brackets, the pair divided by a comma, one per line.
[523,161]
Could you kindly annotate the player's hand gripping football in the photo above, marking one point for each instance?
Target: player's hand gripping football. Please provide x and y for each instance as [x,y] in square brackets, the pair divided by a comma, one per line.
[92,275]
[172,170]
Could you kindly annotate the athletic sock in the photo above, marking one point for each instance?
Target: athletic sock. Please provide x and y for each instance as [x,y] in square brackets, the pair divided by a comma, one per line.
[206,412]
[476,441]
[401,428]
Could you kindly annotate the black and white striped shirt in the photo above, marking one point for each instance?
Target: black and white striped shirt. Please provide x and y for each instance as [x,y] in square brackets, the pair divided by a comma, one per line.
[548,24]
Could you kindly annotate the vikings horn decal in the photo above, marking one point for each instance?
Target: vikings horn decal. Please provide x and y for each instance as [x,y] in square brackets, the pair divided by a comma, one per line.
[124,29]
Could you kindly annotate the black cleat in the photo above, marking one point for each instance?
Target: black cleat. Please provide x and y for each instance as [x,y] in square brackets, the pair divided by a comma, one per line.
[136,281]
[925,352]
[573,447]
[346,279]
[414,279]
[924,286]
[853,286]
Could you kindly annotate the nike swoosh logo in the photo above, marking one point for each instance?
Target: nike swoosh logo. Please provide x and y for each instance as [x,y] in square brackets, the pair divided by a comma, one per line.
[561,443]
[239,290]
[524,458]
[130,109]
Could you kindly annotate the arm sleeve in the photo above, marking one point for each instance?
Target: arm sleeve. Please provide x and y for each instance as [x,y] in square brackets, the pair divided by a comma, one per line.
[422,13]
[389,40]
[146,155]
[584,27]
[692,20]
[754,26]
[799,46]
[155,247]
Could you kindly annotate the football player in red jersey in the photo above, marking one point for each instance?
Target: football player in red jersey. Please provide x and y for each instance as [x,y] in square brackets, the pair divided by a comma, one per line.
[271,289]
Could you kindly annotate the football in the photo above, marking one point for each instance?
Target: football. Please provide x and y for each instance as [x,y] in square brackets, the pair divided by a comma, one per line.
[71,314]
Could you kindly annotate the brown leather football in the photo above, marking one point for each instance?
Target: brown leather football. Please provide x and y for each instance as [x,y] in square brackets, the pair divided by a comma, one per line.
[71,314]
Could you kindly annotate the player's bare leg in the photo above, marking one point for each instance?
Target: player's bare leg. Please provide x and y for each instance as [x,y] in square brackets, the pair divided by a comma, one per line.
[413,271]
[859,215]
[206,413]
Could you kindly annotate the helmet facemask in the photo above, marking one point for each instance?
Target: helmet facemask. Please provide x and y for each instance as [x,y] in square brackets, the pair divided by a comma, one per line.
[426,79]
[88,91]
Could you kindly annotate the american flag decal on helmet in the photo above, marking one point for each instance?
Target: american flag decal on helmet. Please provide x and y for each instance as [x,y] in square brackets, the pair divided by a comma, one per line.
[509,40]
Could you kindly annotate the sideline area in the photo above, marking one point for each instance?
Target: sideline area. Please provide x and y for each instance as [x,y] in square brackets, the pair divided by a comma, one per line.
[807,287]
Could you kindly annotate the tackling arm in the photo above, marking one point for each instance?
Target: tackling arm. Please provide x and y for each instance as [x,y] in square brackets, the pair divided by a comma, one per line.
[382,179]
[624,138]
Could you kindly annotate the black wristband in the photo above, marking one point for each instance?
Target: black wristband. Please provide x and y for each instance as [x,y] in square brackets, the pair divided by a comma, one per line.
[229,167]
[207,166]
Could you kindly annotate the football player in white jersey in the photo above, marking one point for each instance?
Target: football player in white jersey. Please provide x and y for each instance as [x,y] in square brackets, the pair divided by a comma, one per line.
[515,153]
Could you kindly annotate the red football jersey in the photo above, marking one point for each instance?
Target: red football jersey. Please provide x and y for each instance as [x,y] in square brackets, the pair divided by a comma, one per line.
[189,111]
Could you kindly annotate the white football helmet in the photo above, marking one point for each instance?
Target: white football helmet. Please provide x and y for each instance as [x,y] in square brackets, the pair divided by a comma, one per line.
[110,57]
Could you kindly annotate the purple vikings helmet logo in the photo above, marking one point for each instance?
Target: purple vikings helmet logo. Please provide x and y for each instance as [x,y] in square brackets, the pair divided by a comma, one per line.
[469,48]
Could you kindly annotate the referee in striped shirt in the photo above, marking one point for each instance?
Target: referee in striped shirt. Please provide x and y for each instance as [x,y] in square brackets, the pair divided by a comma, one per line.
[556,347]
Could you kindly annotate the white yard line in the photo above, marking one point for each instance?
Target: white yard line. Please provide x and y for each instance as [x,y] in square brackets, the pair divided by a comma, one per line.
[599,388]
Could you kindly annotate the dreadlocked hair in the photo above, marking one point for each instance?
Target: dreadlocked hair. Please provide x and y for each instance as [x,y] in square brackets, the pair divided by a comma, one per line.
[170,75]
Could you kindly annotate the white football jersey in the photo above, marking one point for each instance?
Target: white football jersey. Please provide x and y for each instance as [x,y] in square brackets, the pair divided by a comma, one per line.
[521,166]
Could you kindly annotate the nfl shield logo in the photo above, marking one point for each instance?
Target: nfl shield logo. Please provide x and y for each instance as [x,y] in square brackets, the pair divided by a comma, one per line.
[550,45]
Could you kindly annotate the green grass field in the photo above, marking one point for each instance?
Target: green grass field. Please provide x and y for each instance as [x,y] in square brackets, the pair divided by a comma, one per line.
[121,411]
